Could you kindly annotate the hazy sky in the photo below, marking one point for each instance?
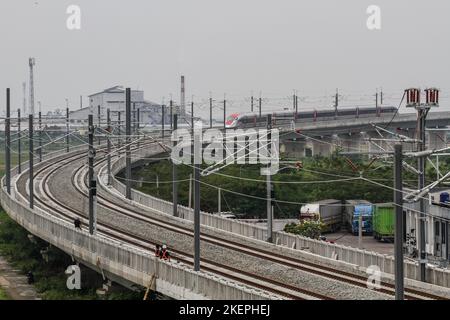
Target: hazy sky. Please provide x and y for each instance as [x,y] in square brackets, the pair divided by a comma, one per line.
[231,46]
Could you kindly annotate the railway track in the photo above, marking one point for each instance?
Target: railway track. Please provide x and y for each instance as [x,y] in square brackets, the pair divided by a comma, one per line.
[290,292]
[68,213]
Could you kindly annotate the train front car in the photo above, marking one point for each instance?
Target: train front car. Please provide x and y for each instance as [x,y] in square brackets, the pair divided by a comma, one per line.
[232,121]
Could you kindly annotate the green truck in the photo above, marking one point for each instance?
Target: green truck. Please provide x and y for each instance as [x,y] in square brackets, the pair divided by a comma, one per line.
[384,222]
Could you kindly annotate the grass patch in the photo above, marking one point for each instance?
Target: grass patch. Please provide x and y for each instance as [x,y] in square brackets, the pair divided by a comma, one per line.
[3,295]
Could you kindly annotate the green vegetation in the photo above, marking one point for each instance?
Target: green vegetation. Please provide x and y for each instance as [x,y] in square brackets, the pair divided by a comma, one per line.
[306,228]
[26,255]
[298,186]
[3,295]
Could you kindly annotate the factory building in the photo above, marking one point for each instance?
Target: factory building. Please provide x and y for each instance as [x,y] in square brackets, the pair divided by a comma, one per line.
[113,98]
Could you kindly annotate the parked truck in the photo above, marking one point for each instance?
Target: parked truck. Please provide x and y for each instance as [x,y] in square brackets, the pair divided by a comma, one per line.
[329,212]
[353,210]
[384,222]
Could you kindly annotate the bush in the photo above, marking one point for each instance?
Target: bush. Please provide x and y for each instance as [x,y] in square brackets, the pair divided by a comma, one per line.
[307,228]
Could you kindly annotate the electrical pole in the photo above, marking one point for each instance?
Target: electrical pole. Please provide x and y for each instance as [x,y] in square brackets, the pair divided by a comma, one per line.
[81,102]
[269,185]
[134,117]
[108,122]
[19,143]
[162,120]
[190,191]
[31,63]
[8,141]
[197,157]
[210,111]
[92,180]
[99,121]
[219,201]
[31,158]
[376,104]
[224,112]
[171,114]
[260,105]
[336,103]
[174,173]
[381,96]
[128,142]
[119,124]
[40,136]
[399,227]
[67,130]
[422,113]
[251,103]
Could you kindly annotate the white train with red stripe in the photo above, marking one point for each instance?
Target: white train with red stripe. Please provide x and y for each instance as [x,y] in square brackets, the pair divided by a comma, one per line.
[246,120]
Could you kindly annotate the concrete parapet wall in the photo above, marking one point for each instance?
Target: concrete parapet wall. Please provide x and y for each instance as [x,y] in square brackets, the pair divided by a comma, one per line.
[138,266]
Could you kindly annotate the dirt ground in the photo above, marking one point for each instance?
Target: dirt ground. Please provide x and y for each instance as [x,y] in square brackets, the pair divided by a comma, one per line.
[368,242]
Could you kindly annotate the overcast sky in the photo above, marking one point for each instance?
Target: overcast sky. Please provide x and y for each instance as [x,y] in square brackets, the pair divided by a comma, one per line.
[232,46]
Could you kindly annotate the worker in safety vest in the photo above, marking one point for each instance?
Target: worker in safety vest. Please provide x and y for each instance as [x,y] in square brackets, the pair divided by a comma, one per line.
[165,255]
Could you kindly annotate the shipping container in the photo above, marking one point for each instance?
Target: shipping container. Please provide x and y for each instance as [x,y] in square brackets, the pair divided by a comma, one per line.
[328,211]
[384,222]
[353,210]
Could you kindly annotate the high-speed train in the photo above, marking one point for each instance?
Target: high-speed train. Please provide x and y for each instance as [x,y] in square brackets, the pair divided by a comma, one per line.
[243,120]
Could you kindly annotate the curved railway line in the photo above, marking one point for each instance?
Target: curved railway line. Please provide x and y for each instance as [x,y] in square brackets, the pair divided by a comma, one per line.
[270,285]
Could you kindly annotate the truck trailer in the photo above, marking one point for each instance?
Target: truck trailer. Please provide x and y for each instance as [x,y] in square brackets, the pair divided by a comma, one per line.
[329,212]
[353,210]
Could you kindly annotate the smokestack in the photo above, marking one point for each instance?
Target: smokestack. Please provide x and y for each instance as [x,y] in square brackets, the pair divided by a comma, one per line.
[182,99]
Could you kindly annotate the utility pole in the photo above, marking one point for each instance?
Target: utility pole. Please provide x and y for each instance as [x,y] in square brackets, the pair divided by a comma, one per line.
[81,102]
[128,141]
[219,201]
[192,115]
[336,103]
[174,173]
[197,157]
[183,98]
[171,113]
[224,112]
[19,143]
[422,113]
[360,222]
[413,100]
[210,110]
[381,96]
[251,99]
[92,180]
[134,117]
[162,120]
[108,122]
[99,121]
[31,63]
[67,131]
[138,127]
[376,104]
[40,136]
[260,105]
[269,185]
[399,227]
[119,124]
[190,191]
[8,141]
[30,161]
